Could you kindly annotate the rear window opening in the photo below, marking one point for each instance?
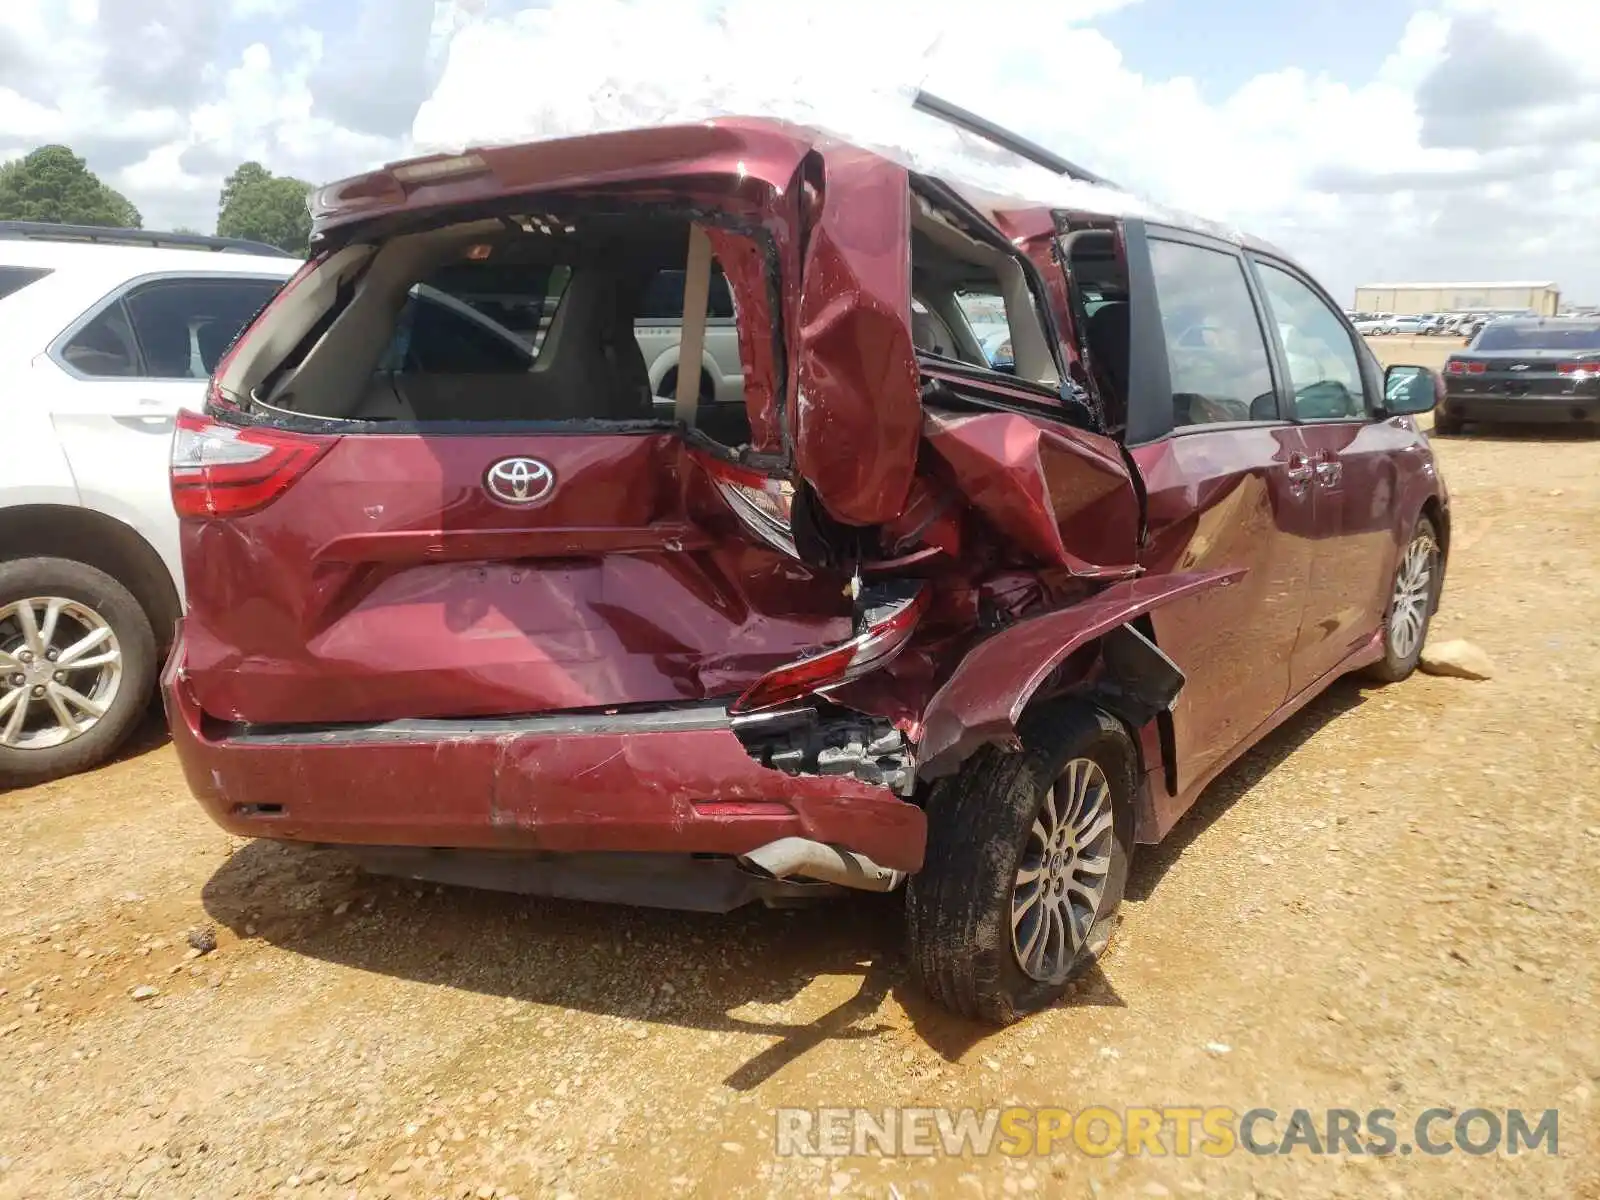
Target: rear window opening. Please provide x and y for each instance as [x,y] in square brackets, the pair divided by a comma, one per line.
[971,303]
[516,320]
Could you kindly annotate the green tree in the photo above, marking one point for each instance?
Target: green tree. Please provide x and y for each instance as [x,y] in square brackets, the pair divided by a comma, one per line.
[54,184]
[264,207]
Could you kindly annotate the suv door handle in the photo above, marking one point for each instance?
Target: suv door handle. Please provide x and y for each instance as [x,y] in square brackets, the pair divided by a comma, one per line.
[1299,469]
[1329,469]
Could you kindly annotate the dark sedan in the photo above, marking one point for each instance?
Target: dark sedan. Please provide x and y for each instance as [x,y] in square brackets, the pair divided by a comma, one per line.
[1539,370]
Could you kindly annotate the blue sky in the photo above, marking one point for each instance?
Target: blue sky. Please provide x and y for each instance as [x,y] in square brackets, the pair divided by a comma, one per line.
[1223,44]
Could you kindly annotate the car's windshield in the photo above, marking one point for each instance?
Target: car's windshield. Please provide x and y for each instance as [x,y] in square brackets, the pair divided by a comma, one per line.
[1543,336]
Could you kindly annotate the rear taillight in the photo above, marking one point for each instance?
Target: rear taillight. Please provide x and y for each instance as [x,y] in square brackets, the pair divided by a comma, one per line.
[222,471]
[886,626]
[1457,367]
[764,504]
[1580,370]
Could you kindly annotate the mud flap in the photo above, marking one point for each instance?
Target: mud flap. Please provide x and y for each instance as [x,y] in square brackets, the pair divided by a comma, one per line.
[1140,680]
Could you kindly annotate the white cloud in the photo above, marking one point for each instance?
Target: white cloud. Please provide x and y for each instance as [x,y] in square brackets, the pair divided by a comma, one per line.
[275,10]
[1349,174]
[1473,150]
[166,132]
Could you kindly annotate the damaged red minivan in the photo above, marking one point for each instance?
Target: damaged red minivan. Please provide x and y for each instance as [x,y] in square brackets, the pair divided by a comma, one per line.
[469,600]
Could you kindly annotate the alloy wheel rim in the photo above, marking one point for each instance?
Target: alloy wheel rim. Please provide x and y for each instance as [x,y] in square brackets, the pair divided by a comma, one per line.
[1061,879]
[1413,593]
[60,671]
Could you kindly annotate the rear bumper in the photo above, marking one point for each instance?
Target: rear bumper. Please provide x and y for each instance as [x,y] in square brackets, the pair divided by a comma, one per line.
[678,782]
[1541,410]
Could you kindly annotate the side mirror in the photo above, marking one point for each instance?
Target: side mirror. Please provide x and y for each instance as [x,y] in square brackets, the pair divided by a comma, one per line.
[1409,391]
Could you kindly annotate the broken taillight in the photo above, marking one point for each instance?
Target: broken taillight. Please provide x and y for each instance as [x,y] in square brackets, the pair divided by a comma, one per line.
[1580,370]
[889,616]
[762,503]
[221,471]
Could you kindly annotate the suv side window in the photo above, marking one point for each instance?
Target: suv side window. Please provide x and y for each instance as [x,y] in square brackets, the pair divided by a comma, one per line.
[1215,348]
[14,279]
[663,297]
[104,348]
[167,329]
[1324,373]
[183,326]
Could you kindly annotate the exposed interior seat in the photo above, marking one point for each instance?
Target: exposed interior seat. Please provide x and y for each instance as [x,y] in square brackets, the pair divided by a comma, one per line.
[1109,339]
[589,367]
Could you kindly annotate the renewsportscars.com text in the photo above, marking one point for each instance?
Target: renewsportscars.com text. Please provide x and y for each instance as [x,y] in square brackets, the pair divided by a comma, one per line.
[1167,1130]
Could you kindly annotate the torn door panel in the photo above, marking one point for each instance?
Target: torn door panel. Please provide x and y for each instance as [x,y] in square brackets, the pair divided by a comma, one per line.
[1063,498]
[749,276]
[857,413]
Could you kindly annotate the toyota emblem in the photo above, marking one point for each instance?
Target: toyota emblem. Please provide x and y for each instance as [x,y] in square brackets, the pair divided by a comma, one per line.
[519,480]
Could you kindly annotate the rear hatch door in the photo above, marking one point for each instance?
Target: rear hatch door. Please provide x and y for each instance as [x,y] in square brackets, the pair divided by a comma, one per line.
[398,506]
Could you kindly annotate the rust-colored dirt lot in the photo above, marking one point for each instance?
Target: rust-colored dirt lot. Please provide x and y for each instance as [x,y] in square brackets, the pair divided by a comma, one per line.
[1392,903]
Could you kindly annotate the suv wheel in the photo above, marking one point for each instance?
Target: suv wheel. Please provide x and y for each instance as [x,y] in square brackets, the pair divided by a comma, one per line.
[1412,600]
[669,388]
[77,665]
[1027,858]
[1446,426]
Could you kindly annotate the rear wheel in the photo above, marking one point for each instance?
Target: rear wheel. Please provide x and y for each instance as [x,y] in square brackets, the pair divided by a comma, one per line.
[1445,425]
[1027,859]
[77,665]
[669,387]
[1412,598]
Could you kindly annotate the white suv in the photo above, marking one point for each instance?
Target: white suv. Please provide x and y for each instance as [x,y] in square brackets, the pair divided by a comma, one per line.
[659,329]
[104,336]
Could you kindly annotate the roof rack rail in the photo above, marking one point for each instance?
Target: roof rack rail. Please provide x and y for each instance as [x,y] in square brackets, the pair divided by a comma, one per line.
[50,231]
[936,106]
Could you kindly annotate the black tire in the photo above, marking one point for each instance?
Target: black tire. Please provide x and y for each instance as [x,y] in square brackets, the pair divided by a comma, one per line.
[669,387]
[1394,666]
[1446,426]
[33,577]
[958,907]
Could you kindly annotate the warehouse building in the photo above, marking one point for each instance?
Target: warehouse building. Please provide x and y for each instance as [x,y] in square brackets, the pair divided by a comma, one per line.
[1407,299]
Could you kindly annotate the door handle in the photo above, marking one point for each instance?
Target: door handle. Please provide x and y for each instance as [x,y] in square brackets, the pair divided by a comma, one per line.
[1329,469]
[1299,469]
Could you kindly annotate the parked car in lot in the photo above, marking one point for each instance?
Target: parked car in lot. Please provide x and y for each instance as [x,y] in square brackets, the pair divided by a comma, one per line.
[899,619]
[659,328]
[1404,324]
[997,351]
[1540,370]
[104,335]
[1372,322]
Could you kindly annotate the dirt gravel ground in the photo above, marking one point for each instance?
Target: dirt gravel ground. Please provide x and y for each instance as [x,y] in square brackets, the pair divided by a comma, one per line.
[1392,903]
